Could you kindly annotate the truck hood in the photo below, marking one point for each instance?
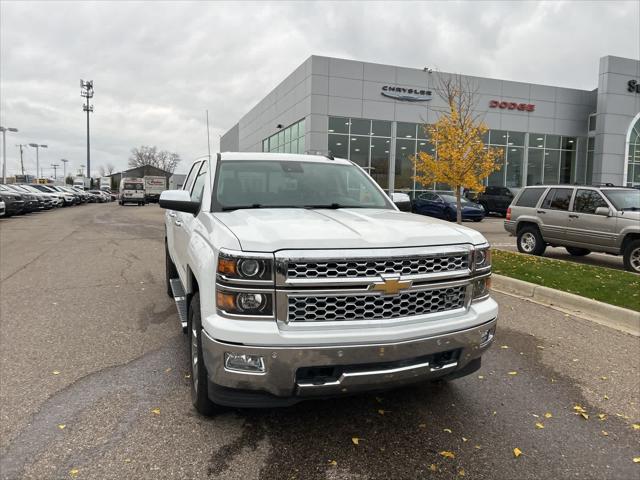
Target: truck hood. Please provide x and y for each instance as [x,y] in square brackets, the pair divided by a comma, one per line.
[269,230]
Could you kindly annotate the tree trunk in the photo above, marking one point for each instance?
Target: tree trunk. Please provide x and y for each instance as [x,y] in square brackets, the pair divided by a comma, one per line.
[458,206]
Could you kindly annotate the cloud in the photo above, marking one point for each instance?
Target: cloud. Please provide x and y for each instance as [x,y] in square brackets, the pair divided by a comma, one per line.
[157,66]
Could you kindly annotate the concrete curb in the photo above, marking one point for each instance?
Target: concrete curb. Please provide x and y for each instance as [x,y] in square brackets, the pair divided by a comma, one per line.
[615,317]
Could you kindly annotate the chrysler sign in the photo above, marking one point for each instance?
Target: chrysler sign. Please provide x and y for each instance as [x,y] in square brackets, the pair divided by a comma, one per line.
[406,94]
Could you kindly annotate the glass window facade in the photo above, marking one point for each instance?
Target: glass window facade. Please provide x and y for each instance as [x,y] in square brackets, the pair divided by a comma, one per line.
[549,159]
[552,159]
[287,140]
[633,156]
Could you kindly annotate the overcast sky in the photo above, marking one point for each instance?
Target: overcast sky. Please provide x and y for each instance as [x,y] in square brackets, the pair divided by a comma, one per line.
[157,66]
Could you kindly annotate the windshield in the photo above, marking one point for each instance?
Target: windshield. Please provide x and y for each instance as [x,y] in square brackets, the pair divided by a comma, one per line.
[452,199]
[264,184]
[133,186]
[624,199]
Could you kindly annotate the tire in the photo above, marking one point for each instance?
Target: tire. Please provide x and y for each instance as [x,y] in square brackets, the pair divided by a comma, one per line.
[486,208]
[170,270]
[452,216]
[199,376]
[477,219]
[530,241]
[632,256]
[578,252]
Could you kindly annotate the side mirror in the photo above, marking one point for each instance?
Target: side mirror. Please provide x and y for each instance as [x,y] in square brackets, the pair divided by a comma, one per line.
[178,200]
[603,211]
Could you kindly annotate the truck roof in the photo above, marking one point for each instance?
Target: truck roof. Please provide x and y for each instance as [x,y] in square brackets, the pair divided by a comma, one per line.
[282,157]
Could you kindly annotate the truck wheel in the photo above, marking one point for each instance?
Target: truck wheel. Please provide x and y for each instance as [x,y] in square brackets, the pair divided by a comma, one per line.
[530,241]
[170,271]
[486,208]
[632,256]
[578,252]
[199,376]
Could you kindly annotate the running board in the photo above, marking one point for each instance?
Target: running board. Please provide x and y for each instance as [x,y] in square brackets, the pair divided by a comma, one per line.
[181,301]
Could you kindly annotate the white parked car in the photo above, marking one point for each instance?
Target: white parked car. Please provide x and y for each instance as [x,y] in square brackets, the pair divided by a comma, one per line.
[296,277]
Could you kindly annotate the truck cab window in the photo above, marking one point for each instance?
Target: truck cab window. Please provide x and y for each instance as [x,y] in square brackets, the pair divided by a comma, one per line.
[198,184]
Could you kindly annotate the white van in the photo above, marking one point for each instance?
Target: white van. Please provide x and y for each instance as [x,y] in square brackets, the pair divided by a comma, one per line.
[132,191]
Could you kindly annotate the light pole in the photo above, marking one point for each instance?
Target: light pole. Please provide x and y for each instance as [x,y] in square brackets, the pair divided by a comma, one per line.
[64,170]
[86,91]
[37,147]
[4,131]
[55,171]
[21,147]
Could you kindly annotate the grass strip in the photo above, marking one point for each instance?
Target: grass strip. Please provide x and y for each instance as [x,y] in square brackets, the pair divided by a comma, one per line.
[615,287]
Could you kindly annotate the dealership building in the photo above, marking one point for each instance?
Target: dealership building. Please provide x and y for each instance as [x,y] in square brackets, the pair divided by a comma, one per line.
[375,115]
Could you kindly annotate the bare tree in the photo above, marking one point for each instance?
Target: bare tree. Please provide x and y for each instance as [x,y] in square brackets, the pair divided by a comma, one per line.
[101,171]
[110,168]
[146,155]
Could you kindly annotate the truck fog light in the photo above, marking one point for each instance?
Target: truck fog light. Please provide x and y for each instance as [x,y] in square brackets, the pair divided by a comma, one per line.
[241,362]
[250,301]
[486,336]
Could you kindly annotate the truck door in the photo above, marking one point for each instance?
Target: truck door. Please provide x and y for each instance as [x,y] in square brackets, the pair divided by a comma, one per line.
[171,216]
[185,222]
[554,213]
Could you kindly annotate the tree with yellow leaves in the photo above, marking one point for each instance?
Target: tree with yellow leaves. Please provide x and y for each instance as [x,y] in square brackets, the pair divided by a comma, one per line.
[462,160]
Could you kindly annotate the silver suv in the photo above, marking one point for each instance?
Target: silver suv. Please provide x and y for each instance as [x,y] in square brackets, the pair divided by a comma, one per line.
[581,219]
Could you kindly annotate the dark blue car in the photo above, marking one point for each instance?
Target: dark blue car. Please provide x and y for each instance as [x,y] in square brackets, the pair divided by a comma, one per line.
[444,206]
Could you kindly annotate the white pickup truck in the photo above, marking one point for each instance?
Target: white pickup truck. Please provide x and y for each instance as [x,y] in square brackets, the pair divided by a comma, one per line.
[296,277]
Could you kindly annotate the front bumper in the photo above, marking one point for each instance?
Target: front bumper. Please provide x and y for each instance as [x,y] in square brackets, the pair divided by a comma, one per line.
[342,369]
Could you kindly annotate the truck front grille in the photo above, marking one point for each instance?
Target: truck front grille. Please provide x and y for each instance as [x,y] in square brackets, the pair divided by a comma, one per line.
[373,268]
[330,308]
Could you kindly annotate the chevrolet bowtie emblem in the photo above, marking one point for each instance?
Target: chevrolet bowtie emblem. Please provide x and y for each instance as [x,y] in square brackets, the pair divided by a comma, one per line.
[390,285]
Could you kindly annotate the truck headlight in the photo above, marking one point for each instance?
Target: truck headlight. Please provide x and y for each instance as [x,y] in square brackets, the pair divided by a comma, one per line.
[481,288]
[245,268]
[482,258]
[245,303]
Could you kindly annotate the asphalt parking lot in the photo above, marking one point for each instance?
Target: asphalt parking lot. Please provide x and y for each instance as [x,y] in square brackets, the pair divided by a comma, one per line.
[93,382]
[492,228]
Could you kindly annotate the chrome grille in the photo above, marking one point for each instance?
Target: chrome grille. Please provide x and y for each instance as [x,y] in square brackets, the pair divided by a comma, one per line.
[375,267]
[327,308]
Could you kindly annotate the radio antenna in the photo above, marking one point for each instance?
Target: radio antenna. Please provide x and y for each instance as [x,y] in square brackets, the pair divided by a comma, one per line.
[208,137]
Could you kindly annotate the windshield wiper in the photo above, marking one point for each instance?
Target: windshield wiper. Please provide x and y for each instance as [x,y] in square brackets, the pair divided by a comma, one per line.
[335,206]
[257,205]
[633,209]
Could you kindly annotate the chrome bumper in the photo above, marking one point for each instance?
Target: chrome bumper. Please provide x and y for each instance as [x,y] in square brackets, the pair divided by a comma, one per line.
[363,367]
[510,226]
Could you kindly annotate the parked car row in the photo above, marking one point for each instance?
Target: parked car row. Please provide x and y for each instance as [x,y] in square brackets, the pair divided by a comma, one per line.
[18,199]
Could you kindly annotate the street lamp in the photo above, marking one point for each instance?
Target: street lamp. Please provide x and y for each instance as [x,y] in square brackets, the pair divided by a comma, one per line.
[4,131]
[37,147]
[64,168]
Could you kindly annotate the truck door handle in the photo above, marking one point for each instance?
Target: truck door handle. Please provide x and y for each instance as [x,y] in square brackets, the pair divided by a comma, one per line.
[172,214]
[541,211]
[573,215]
[178,223]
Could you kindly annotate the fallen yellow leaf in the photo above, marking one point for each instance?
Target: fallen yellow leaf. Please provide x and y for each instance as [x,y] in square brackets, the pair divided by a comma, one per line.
[636,459]
[461,472]
[513,373]
[423,425]
[505,346]
[74,472]
[481,377]
[605,433]
[433,467]
[636,426]
[167,370]
[547,415]
[606,397]
[447,454]
[517,452]
[602,416]
[603,378]
[579,409]
[56,372]
[187,376]
[62,426]
[381,412]
[477,447]
[585,416]
[448,430]
[465,439]
[540,347]
[539,425]
[156,411]
[333,463]
[355,440]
